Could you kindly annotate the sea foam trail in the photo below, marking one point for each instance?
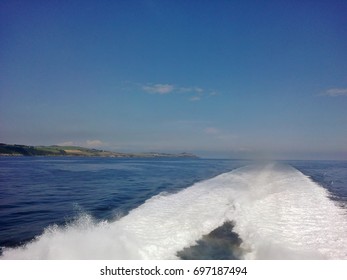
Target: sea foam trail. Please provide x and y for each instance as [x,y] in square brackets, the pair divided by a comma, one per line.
[278,212]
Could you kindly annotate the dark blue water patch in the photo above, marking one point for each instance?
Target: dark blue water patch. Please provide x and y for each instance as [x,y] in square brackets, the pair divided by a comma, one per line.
[38,192]
[220,244]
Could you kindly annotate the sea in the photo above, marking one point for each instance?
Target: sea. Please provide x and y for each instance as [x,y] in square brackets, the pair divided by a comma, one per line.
[171,208]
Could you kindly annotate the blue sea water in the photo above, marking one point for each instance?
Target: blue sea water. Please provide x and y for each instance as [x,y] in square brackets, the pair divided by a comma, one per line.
[39,191]
[171,208]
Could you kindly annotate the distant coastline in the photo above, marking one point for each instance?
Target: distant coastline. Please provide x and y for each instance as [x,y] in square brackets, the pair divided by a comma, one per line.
[55,150]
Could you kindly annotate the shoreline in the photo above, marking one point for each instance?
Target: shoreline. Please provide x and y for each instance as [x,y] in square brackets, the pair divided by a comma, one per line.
[8,150]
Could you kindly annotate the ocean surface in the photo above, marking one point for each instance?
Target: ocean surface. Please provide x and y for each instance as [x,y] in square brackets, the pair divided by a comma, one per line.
[108,208]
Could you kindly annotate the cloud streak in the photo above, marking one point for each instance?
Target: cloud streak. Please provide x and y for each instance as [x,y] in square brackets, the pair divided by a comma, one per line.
[190,90]
[158,88]
[335,92]
[197,93]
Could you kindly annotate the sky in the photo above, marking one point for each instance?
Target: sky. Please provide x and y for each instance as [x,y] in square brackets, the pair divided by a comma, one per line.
[233,79]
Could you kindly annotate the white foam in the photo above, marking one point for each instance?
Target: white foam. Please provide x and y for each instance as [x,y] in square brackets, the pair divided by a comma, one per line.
[282,214]
[278,212]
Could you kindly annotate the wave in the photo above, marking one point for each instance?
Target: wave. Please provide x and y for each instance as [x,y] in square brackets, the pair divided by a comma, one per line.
[277,212]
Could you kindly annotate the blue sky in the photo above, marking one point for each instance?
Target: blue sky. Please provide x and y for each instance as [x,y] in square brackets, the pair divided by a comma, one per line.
[217,78]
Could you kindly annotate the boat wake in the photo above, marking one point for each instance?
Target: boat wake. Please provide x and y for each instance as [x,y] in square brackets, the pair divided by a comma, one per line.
[276,212]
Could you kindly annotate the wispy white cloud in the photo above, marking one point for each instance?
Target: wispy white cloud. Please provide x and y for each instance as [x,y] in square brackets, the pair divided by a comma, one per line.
[197,93]
[334,92]
[190,90]
[158,88]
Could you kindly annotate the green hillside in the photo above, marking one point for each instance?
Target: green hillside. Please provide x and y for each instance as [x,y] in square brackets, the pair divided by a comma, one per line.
[23,150]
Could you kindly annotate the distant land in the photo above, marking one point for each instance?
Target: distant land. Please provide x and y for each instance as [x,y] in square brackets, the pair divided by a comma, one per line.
[55,150]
